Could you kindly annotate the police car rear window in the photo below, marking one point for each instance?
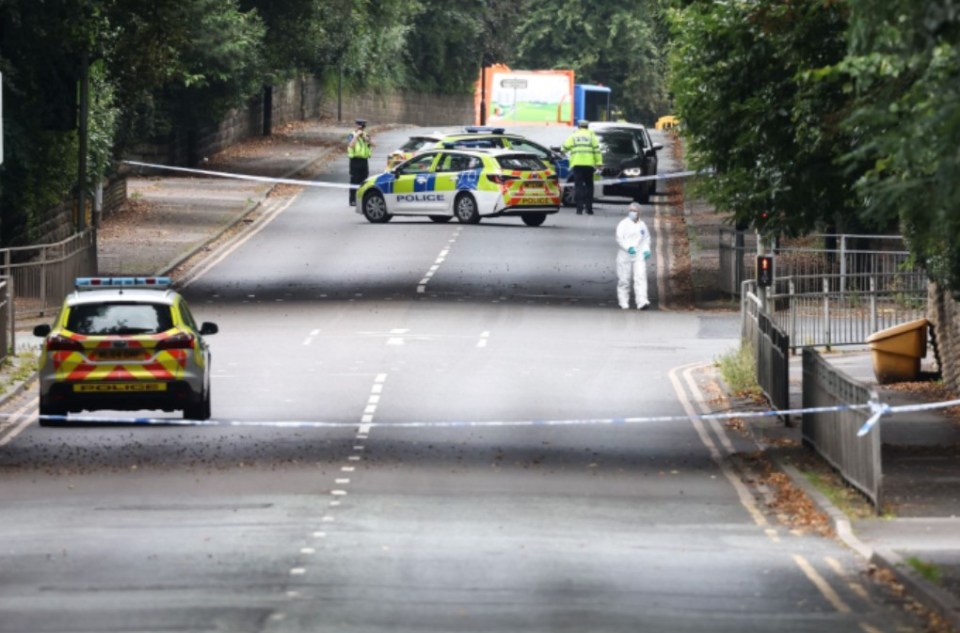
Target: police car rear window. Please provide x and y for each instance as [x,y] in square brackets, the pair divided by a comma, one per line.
[415,143]
[100,319]
[528,163]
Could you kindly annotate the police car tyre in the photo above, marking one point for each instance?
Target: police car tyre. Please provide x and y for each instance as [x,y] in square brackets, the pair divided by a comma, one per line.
[441,219]
[375,208]
[199,410]
[534,219]
[50,409]
[568,198]
[466,209]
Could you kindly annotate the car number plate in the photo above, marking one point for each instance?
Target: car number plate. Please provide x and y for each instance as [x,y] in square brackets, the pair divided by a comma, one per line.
[118,354]
[119,387]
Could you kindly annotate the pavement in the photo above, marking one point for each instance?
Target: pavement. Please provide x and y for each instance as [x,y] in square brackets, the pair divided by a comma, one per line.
[173,219]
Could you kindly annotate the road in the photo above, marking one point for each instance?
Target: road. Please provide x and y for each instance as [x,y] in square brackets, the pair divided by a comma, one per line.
[351,519]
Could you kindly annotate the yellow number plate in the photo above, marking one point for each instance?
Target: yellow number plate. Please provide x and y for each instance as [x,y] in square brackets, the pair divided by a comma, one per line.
[120,387]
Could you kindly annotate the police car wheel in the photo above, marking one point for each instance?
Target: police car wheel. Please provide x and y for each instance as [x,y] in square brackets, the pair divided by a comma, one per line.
[198,410]
[50,409]
[568,198]
[441,219]
[375,208]
[534,219]
[465,207]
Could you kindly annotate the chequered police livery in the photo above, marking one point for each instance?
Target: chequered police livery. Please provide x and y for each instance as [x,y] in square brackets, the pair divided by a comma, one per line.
[464,183]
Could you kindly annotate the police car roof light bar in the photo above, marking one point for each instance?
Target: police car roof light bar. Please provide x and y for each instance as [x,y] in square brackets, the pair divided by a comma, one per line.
[93,283]
[481,129]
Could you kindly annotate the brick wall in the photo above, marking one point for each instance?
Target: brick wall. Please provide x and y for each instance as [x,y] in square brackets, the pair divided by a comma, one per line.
[943,311]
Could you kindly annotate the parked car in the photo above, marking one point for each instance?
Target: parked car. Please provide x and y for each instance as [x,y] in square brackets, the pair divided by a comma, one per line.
[462,183]
[628,152]
[124,343]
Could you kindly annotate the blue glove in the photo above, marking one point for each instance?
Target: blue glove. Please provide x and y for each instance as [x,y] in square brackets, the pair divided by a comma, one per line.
[646,255]
[632,250]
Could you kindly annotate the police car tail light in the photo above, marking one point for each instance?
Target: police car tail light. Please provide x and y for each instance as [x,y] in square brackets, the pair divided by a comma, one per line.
[60,343]
[177,341]
[500,179]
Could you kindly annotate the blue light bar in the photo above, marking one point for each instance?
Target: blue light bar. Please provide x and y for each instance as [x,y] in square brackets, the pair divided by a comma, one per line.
[480,129]
[94,283]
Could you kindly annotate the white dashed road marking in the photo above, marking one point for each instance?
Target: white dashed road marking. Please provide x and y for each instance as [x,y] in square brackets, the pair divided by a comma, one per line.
[422,287]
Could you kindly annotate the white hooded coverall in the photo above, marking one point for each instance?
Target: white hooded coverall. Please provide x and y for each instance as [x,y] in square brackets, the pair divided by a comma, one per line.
[632,267]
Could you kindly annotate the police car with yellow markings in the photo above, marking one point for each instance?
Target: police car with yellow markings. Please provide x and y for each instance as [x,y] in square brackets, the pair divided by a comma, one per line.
[485,137]
[124,343]
[466,184]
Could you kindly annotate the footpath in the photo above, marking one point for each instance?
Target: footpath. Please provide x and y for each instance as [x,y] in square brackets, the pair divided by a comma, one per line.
[916,535]
[171,221]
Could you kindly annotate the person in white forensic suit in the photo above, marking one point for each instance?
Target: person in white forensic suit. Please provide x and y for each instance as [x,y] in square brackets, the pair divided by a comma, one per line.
[633,251]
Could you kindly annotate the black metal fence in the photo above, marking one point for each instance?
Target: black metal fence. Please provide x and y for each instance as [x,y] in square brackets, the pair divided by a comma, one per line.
[6,319]
[833,435]
[771,347]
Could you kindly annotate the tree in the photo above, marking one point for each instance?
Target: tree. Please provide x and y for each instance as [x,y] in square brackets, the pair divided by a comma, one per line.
[445,46]
[759,108]
[905,63]
[609,43]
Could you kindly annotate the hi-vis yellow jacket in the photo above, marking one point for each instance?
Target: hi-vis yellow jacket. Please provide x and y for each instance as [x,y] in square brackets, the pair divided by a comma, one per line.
[583,149]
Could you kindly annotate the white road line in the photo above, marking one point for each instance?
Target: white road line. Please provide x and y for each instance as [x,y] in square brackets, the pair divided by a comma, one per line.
[298,571]
[319,535]
[339,493]
[442,257]
[348,469]
[307,550]
[822,585]
[309,338]
[484,338]
[341,482]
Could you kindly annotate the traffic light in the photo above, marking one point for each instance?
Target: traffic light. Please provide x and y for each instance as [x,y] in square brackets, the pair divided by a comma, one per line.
[764,271]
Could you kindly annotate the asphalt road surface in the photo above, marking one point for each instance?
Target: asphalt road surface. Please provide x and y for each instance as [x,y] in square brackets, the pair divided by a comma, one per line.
[351,519]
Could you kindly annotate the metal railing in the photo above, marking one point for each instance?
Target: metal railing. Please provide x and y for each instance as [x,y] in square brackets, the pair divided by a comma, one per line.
[7,323]
[771,347]
[812,257]
[827,297]
[846,309]
[42,275]
[833,435]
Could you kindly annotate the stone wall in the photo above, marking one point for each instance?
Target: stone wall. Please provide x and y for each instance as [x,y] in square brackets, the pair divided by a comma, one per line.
[943,312]
[403,107]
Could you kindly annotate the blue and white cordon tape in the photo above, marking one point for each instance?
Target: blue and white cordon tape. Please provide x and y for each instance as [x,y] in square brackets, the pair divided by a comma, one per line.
[876,409]
[340,185]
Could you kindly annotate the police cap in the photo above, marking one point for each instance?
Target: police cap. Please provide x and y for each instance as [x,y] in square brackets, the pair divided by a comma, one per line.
[361,122]
[582,123]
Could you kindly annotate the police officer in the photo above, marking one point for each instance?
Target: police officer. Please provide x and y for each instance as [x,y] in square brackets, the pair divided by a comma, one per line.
[583,150]
[358,150]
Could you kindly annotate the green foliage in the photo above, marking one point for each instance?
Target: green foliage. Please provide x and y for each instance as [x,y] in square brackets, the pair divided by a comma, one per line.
[446,45]
[755,109]
[738,369]
[904,65]
[609,43]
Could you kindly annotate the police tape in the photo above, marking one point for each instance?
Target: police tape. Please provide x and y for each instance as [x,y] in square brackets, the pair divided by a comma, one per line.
[877,410]
[340,185]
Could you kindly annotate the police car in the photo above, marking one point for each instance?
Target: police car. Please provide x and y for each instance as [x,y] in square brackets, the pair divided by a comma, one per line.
[124,343]
[413,145]
[466,184]
[483,137]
